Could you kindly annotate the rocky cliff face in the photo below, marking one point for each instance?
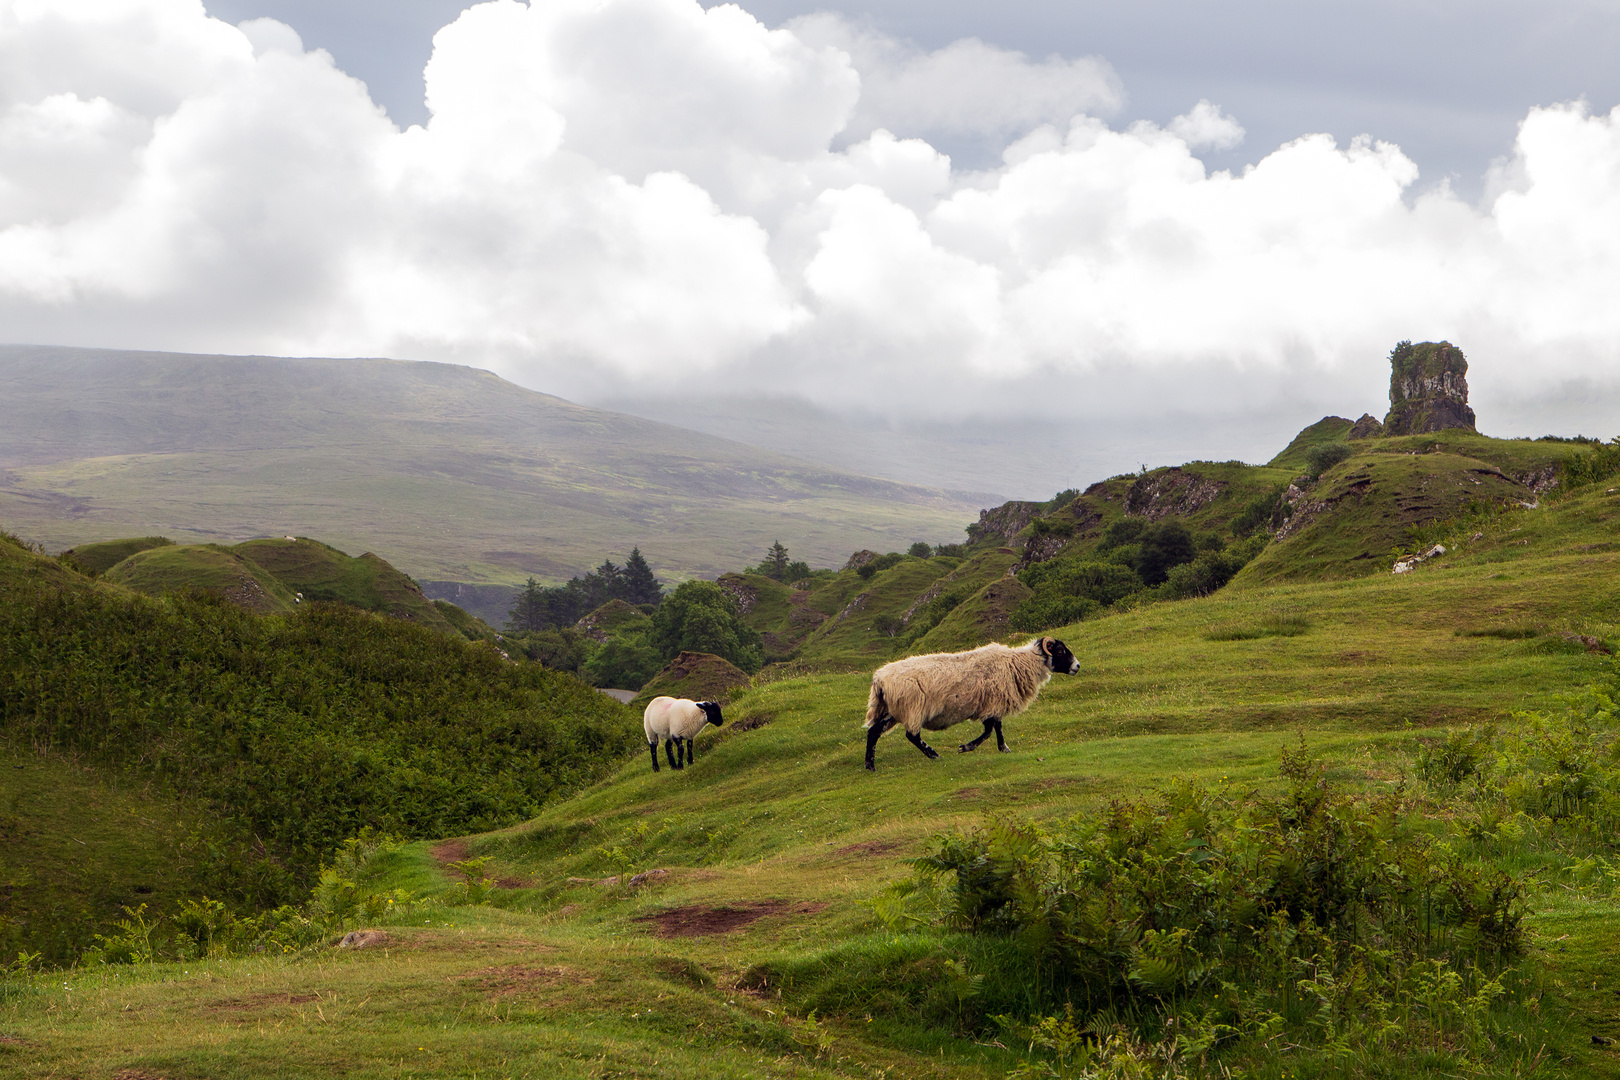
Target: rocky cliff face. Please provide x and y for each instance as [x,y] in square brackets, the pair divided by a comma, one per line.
[1171,493]
[1428,390]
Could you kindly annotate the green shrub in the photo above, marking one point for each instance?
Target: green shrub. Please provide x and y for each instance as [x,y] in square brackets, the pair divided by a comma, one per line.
[879,564]
[1051,527]
[1258,512]
[699,616]
[1319,459]
[1599,463]
[920,550]
[625,661]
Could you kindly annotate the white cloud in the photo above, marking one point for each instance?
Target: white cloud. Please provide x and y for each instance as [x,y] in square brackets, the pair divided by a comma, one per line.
[648,192]
[1204,126]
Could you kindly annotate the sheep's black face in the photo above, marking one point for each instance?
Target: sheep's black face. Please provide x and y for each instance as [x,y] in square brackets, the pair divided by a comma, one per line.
[1059,658]
[712,711]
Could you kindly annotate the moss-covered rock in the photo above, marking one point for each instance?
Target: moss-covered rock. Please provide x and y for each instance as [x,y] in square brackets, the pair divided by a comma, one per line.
[1427,389]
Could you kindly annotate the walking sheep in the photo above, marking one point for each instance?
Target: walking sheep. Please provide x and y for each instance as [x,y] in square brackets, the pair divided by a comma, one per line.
[936,691]
[677,720]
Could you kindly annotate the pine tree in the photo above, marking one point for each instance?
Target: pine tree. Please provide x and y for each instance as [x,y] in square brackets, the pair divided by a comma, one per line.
[529,610]
[776,561]
[639,585]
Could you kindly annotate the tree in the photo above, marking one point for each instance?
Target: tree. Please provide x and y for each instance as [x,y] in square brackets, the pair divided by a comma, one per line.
[776,562]
[639,585]
[920,550]
[530,609]
[625,662]
[700,617]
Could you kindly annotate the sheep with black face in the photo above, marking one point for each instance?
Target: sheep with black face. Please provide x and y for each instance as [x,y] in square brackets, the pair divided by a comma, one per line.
[675,721]
[939,690]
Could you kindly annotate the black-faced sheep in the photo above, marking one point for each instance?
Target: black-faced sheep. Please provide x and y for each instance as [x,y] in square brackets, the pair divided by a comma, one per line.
[936,691]
[677,721]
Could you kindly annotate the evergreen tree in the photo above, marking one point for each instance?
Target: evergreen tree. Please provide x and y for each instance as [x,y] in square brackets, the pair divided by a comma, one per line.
[776,562]
[529,610]
[639,585]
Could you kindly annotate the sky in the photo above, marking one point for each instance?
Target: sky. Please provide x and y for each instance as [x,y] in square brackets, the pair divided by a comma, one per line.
[1034,242]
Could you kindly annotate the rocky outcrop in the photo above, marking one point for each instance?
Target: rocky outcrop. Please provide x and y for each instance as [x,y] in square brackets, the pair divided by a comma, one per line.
[862,557]
[1427,389]
[1171,493]
[1004,522]
[1367,427]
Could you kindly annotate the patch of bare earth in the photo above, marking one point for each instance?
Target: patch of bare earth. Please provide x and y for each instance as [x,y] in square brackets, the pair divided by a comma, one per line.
[137,1074]
[452,851]
[870,847]
[701,921]
[517,978]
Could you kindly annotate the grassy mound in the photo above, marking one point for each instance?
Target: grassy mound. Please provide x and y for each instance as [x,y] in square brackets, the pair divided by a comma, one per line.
[321,572]
[695,675]
[213,569]
[94,559]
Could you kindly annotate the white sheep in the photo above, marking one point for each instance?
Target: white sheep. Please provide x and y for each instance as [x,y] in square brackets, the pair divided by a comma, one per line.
[938,690]
[677,720]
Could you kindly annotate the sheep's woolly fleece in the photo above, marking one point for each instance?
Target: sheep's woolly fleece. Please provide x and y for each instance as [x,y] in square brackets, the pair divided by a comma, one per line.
[649,190]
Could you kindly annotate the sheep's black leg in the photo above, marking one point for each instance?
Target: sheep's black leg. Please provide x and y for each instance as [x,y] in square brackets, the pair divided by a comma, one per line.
[653,746]
[990,724]
[916,740]
[872,734]
[691,750]
[1001,743]
[669,752]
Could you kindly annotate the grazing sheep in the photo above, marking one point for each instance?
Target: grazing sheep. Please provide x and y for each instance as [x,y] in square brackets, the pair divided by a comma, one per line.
[938,690]
[677,720]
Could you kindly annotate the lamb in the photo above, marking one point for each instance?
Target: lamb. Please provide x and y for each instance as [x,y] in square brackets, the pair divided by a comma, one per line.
[939,690]
[677,720]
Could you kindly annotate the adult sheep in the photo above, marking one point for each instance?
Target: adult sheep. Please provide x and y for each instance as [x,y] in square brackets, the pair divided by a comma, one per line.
[677,721]
[938,690]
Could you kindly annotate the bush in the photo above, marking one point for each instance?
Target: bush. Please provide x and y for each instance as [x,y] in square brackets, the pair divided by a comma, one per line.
[1258,512]
[625,661]
[1311,903]
[920,550]
[1599,463]
[879,564]
[1319,459]
[699,616]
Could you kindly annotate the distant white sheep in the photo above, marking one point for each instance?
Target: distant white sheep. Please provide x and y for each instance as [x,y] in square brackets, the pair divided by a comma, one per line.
[677,721]
[938,690]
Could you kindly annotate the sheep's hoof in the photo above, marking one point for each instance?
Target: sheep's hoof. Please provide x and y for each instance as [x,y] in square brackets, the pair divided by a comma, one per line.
[871,767]
[965,749]
[931,753]
[1005,749]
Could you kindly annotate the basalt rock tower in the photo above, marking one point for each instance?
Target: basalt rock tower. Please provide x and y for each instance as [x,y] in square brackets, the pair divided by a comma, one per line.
[1427,389]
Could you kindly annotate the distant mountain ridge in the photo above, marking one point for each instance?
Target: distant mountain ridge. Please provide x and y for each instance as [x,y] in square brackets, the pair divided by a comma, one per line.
[457,474]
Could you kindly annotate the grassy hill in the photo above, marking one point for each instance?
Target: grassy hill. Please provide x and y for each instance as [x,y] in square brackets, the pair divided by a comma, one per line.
[458,475]
[774,945]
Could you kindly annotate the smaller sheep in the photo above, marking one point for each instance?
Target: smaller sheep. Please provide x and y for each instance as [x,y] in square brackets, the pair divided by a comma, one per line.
[677,720]
[939,690]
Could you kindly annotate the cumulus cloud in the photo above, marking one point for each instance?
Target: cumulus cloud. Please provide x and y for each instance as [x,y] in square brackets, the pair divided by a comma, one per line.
[679,198]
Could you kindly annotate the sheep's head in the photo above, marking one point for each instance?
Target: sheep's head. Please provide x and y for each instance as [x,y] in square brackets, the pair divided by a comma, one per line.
[1058,656]
[712,711]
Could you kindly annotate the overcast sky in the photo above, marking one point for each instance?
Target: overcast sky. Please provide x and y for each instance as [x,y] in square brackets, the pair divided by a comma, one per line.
[1119,216]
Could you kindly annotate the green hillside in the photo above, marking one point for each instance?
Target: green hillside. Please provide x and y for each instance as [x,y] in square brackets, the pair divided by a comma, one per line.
[458,475]
[210,567]
[276,734]
[317,571]
[98,558]
[775,945]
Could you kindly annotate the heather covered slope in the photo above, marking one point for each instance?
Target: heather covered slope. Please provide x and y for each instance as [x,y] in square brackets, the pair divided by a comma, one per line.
[458,475]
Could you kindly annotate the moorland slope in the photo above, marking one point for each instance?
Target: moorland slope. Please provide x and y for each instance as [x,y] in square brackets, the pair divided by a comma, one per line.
[457,474]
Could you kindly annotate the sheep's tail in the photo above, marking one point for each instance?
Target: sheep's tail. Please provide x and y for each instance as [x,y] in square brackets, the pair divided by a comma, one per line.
[875,705]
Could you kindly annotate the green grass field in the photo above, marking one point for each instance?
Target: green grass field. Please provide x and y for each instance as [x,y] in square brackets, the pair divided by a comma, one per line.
[778,836]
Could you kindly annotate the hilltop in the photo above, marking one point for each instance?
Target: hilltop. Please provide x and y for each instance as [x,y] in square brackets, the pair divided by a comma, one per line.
[460,476]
